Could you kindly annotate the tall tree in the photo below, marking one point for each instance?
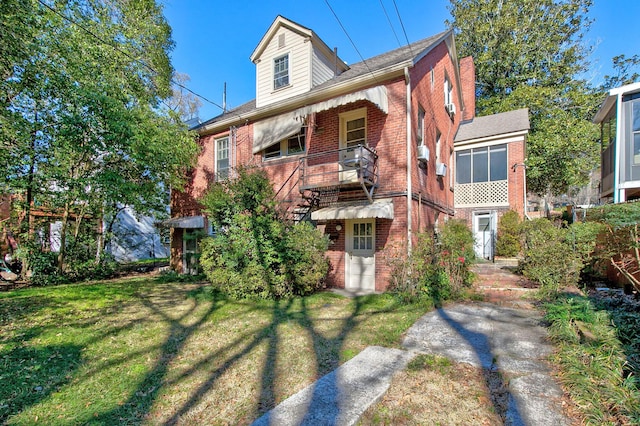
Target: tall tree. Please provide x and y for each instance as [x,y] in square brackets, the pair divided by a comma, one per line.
[528,54]
[626,71]
[82,121]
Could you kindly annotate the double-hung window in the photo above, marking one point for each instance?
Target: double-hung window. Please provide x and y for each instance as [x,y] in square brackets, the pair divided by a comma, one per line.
[281,72]
[420,132]
[448,91]
[222,158]
[487,164]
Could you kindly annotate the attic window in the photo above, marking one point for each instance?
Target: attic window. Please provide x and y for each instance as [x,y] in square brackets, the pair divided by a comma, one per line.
[280,72]
[280,41]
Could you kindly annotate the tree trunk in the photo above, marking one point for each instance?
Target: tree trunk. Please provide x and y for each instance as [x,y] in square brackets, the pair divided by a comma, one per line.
[63,238]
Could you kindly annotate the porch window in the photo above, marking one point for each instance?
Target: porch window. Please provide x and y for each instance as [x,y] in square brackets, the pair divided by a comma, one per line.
[281,72]
[222,158]
[487,164]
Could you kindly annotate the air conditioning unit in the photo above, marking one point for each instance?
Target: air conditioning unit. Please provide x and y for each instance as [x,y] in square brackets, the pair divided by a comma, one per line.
[441,169]
[451,109]
[423,153]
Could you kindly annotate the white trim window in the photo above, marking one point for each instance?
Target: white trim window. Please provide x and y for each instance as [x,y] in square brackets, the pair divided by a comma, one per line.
[486,164]
[293,145]
[281,72]
[222,158]
[448,91]
[420,131]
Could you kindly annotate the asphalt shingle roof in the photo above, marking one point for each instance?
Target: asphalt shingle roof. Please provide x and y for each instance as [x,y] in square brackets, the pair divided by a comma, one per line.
[493,125]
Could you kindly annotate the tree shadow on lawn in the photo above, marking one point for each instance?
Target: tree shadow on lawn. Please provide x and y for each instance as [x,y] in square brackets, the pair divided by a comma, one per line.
[31,374]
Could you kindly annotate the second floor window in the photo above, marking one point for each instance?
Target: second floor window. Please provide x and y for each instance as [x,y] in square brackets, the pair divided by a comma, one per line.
[280,72]
[487,164]
[448,91]
[222,158]
[420,132]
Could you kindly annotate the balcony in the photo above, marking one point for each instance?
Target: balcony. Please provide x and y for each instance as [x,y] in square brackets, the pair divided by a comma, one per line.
[344,169]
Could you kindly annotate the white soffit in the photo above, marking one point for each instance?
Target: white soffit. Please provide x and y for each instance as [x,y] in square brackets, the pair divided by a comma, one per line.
[272,130]
[382,208]
[187,222]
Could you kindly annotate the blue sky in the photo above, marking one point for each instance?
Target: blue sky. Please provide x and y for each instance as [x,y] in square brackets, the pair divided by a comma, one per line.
[214,39]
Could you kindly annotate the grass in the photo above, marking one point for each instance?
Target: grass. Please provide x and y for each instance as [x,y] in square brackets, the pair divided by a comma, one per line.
[140,351]
[434,390]
[592,361]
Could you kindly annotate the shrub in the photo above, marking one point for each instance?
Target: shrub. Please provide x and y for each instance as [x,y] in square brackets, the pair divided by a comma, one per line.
[436,269]
[256,253]
[40,267]
[509,231]
[556,256]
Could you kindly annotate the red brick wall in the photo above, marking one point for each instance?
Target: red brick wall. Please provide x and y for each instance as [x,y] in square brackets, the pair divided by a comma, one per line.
[468,82]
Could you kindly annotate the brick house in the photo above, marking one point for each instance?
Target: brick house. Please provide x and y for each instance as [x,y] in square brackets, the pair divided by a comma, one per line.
[490,176]
[364,151]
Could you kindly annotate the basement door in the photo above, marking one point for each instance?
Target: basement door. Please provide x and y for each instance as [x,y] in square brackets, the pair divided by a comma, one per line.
[360,264]
[190,251]
[484,231]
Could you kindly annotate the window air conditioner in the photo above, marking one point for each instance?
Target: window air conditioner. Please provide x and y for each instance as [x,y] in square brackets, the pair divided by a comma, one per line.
[451,109]
[441,169]
[423,153]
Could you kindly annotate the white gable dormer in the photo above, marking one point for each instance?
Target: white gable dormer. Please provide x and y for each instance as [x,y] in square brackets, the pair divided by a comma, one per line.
[291,60]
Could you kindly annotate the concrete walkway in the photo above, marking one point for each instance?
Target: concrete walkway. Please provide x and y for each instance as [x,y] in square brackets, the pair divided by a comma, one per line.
[506,341]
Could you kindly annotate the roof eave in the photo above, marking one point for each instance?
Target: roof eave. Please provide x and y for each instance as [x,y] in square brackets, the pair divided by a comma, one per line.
[491,138]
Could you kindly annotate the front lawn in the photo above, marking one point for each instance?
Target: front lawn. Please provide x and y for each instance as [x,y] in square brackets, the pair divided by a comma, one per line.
[135,350]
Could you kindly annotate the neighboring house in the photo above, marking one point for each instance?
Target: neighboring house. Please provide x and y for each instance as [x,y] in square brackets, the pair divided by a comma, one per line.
[364,151]
[490,173]
[619,119]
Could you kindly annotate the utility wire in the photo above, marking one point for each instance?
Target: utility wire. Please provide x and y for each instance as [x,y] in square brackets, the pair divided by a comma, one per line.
[390,24]
[402,25]
[115,47]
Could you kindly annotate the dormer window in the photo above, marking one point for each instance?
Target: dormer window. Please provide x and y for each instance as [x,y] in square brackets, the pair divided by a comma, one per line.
[281,72]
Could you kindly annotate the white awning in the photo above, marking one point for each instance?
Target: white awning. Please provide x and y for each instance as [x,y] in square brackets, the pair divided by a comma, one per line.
[187,222]
[272,130]
[382,208]
[376,95]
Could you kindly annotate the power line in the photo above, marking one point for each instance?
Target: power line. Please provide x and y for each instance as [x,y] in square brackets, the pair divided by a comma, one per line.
[390,24]
[116,48]
[402,25]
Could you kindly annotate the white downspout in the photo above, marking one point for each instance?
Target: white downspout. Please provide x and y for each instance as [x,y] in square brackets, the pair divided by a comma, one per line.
[407,81]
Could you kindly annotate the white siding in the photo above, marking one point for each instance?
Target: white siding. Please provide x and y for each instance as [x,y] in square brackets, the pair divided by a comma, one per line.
[299,68]
[323,68]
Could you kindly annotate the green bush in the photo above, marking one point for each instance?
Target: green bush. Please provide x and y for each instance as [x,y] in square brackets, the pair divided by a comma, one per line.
[256,253]
[437,270]
[509,234]
[40,267]
[556,256]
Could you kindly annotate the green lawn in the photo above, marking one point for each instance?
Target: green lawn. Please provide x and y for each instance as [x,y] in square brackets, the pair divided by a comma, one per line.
[137,351]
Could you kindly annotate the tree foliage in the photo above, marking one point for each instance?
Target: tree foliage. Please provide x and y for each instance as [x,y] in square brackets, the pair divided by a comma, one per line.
[626,71]
[81,121]
[527,55]
[256,253]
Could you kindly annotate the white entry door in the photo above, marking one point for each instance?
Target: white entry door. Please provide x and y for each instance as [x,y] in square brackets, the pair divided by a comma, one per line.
[360,264]
[353,132]
[484,233]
